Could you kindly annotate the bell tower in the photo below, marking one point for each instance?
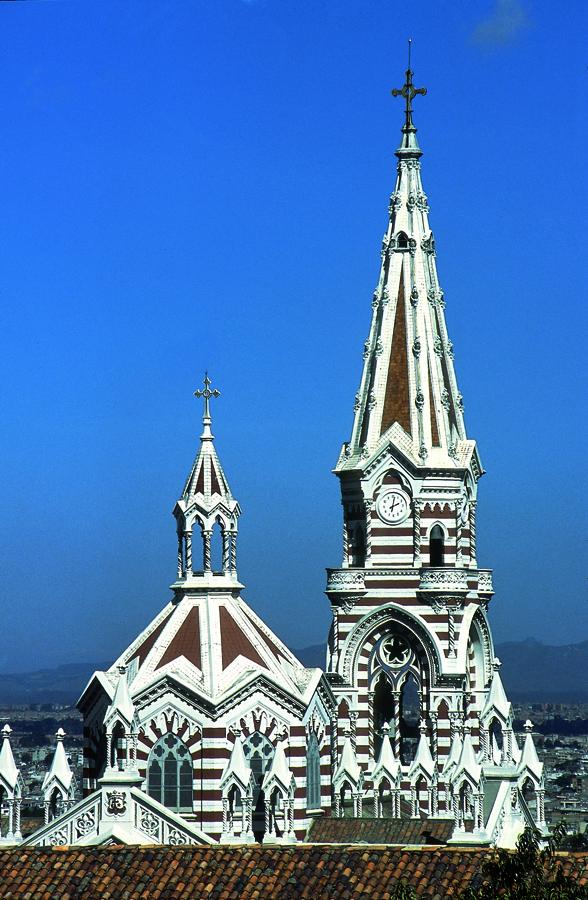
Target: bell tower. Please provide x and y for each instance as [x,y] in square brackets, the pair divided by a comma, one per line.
[206,510]
[410,653]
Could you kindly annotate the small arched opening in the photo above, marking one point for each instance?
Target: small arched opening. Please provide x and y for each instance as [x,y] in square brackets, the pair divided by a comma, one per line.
[437,547]
[117,747]
[410,709]
[386,805]
[357,546]
[529,792]
[313,772]
[496,738]
[384,712]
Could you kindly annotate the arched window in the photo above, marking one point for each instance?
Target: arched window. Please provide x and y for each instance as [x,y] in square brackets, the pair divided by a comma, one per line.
[410,709]
[259,752]
[169,773]
[313,773]
[357,547]
[437,546]
[401,240]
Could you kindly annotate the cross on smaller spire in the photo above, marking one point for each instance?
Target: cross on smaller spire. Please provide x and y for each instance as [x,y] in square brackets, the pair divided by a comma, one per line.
[409,92]
[207,393]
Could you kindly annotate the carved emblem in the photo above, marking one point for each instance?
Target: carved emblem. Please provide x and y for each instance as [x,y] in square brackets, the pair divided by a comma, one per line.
[116,803]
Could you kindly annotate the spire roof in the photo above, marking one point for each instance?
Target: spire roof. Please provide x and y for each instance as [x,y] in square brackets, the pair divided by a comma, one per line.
[423,760]
[468,763]
[59,770]
[206,487]
[9,773]
[529,759]
[387,765]
[279,772]
[348,767]
[408,394]
[237,767]
[497,700]
[121,706]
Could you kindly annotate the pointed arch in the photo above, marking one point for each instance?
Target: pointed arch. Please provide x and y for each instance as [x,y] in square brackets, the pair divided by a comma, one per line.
[170,774]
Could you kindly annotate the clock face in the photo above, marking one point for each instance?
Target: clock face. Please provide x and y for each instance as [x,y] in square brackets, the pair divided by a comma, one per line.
[393,507]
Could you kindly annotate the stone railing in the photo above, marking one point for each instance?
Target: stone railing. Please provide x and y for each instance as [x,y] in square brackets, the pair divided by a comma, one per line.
[485,585]
[72,826]
[345,580]
[158,824]
[442,580]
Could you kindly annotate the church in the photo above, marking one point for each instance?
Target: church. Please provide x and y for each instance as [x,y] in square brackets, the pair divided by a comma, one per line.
[207,729]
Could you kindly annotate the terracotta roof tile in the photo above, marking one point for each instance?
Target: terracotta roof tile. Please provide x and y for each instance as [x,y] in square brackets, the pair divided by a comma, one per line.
[317,871]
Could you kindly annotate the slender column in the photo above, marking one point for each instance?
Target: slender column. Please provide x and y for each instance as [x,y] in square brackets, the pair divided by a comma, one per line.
[206,558]
[345,562]
[10,819]
[376,801]
[181,570]
[248,810]
[17,803]
[109,751]
[46,806]
[458,530]
[334,746]
[353,715]
[540,806]
[416,519]
[473,555]
[371,724]
[226,551]
[368,532]
[225,815]
[479,806]
[188,541]
[268,818]
[434,717]
[337,805]
[396,698]
[233,552]
[434,799]
[451,632]
[414,800]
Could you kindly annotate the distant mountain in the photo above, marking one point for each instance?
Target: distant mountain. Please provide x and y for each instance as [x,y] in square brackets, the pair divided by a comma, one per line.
[532,672]
[62,685]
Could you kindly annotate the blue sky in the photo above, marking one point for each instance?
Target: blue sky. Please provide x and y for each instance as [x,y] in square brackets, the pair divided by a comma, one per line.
[191,185]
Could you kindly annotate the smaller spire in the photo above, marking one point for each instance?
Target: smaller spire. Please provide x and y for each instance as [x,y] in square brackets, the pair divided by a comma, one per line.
[409,92]
[207,393]
[9,773]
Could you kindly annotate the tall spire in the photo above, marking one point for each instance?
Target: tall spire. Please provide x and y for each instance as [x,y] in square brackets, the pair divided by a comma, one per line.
[408,395]
[409,92]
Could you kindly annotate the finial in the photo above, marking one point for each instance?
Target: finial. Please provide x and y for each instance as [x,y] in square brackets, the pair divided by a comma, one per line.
[409,92]
[60,734]
[496,664]
[6,731]
[528,726]
[207,393]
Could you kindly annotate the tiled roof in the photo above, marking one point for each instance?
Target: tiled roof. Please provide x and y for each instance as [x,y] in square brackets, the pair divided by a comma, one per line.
[331,830]
[242,873]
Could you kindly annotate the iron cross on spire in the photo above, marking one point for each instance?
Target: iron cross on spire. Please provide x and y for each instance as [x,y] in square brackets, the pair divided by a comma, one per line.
[207,394]
[409,92]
